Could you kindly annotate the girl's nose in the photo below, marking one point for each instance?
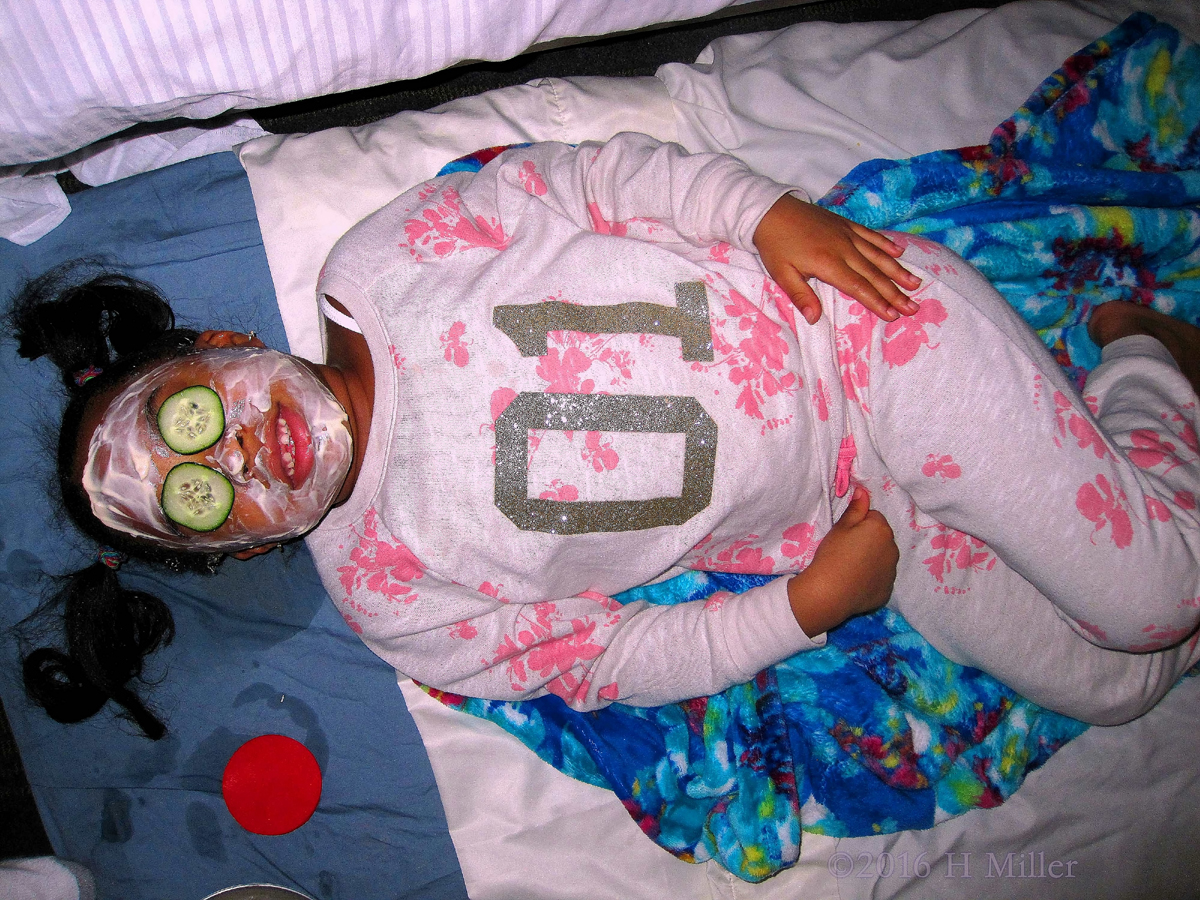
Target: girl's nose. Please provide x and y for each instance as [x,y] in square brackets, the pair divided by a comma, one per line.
[236,453]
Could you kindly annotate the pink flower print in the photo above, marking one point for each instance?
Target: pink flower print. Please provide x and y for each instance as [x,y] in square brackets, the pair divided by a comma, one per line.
[454,348]
[1104,504]
[756,362]
[463,630]
[719,252]
[904,337]
[799,544]
[1188,436]
[1062,406]
[604,600]
[716,600]
[1156,509]
[571,354]
[1093,404]
[397,359]
[820,399]
[562,653]
[609,692]
[557,490]
[384,567]
[941,466]
[853,342]
[783,303]
[530,179]
[508,652]
[1081,429]
[1098,634]
[493,591]
[568,687]
[535,650]
[763,345]
[1150,450]
[501,398]
[601,225]
[740,557]
[1087,436]
[1185,500]
[562,372]
[957,551]
[600,453]
[1160,636]
[512,653]
[444,229]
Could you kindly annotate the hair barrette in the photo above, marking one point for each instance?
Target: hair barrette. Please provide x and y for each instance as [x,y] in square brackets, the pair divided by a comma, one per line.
[111,558]
[83,376]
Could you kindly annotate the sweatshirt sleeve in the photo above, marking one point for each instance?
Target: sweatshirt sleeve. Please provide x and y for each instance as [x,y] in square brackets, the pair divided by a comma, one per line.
[633,180]
[589,650]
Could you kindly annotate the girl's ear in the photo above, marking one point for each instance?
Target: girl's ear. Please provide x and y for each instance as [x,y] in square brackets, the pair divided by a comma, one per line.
[214,340]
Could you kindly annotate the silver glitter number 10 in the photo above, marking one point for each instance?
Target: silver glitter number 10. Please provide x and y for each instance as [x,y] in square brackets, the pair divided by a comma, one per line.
[528,326]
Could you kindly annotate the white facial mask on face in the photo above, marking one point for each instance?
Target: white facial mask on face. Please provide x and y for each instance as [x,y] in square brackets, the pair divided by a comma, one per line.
[266,395]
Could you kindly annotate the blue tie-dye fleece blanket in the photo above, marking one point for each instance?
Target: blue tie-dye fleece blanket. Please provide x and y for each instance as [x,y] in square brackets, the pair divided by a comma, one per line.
[1088,193]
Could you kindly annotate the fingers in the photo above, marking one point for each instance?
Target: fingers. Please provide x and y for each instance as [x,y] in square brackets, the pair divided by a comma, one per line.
[877,239]
[216,340]
[859,511]
[882,252]
[871,276]
[860,506]
[797,241]
[880,279]
[802,295]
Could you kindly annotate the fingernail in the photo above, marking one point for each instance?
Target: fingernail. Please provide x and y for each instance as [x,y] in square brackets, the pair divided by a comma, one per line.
[810,315]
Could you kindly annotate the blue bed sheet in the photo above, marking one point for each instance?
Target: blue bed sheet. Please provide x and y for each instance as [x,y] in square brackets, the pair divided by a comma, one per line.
[259,648]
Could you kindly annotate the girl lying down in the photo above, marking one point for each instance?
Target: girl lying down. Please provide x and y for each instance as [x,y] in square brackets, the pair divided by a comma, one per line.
[567,374]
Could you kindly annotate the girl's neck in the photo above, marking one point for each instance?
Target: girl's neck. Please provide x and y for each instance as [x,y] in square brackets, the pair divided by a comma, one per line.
[349,373]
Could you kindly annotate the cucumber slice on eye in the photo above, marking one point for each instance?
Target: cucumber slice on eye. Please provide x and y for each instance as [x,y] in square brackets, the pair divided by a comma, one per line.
[191,420]
[197,497]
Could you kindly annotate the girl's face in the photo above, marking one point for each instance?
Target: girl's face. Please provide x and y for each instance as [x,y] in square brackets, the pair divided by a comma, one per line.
[286,450]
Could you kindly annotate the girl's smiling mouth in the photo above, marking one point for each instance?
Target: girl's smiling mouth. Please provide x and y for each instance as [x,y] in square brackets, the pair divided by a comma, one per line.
[292,446]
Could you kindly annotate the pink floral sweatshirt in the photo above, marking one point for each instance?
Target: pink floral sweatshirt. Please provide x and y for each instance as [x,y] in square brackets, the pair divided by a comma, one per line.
[583,379]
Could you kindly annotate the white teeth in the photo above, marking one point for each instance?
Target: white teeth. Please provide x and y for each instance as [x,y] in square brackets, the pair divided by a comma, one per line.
[287,448]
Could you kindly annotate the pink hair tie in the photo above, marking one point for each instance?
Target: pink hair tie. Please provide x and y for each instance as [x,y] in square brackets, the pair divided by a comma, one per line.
[83,376]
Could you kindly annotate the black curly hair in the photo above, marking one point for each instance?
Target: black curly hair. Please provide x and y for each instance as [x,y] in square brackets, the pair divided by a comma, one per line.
[99,328]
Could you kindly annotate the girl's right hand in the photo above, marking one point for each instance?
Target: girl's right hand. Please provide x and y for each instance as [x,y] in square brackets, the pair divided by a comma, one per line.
[852,572]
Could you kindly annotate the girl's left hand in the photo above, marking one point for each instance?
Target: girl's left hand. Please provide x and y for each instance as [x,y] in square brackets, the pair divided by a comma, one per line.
[797,241]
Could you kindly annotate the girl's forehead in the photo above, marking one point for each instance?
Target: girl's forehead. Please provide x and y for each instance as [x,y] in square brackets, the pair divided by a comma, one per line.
[219,368]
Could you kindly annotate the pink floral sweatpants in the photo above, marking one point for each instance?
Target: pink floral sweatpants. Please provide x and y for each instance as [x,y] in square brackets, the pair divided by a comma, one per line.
[1043,535]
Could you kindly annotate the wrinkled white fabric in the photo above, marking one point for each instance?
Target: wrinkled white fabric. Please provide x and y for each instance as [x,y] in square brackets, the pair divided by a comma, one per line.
[45,878]
[123,158]
[31,206]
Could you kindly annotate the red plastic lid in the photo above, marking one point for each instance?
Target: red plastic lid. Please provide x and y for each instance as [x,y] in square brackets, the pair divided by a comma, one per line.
[272,784]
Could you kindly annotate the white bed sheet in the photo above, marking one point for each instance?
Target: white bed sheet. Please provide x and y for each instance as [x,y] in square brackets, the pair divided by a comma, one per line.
[796,106]
[807,104]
